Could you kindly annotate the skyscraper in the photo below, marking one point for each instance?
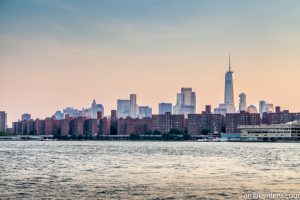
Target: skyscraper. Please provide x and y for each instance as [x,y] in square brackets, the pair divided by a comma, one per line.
[123,108]
[133,106]
[269,108]
[26,117]
[95,108]
[127,107]
[177,107]
[228,106]
[243,102]
[186,102]
[71,112]
[193,101]
[262,107]
[144,111]
[164,108]
[265,108]
[3,121]
[229,90]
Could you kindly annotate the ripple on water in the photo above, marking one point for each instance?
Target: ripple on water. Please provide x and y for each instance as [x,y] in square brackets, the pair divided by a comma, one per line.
[148,170]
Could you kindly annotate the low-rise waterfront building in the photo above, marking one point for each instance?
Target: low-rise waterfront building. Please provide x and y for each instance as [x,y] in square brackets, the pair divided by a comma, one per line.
[273,132]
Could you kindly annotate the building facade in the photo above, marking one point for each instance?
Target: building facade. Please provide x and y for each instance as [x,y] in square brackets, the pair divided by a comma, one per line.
[164,123]
[3,121]
[288,131]
[163,108]
[26,117]
[138,126]
[123,108]
[133,106]
[229,105]
[281,117]
[243,102]
[144,111]
[95,108]
[233,120]
[186,102]
[197,123]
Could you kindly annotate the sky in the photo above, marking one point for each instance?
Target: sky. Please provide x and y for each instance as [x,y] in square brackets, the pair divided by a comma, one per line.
[59,53]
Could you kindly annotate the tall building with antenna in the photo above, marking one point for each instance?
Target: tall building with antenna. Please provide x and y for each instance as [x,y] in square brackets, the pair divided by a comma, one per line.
[228,106]
[229,91]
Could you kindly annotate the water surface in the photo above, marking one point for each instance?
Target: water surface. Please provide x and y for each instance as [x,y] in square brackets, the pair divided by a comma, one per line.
[146,170]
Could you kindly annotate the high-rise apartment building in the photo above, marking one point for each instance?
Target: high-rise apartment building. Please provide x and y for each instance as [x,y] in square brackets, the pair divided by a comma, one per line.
[233,120]
[134,125]
[196,123]
[39,127]
[90,126]
[164,123]
[49,126]
[77,126]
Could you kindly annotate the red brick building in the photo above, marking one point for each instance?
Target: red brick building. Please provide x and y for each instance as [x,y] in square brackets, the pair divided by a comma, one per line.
[139,126]
[233,120]
[199,122]
[164,123]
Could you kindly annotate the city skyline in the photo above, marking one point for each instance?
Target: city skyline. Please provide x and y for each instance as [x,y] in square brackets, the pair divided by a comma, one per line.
[84,52]
[93,114]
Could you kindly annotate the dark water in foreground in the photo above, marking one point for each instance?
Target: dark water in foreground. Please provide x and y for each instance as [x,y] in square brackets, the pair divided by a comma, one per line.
[146,170]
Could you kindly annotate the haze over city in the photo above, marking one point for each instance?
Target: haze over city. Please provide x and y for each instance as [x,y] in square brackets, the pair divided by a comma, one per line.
[57,54]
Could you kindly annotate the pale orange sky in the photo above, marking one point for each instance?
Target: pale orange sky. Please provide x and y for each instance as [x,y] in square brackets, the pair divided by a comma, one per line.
[57,60]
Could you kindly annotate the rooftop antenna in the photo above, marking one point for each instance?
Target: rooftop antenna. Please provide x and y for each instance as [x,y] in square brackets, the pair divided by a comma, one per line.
[229,63]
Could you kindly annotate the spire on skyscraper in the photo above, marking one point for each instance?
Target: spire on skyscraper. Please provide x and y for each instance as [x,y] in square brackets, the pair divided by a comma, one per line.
[229,63]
